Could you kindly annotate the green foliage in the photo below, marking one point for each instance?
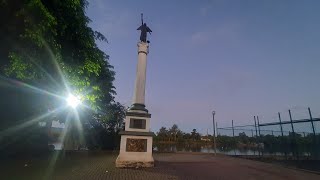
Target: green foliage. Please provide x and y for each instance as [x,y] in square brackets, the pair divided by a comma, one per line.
[112,120]
[18,68]
[226,142]
[48,39]
[163,134]
[48,44]
[195,135]
[174,134]
[102,133]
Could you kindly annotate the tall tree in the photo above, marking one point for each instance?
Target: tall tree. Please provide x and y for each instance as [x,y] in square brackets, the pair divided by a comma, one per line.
[49,44]
[174,131]
[112,120]
[195,135]
[163,133]
[48,50]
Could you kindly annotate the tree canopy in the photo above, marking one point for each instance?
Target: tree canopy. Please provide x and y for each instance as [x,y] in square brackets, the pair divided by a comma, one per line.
[48,43]
[48,50]
[174,134]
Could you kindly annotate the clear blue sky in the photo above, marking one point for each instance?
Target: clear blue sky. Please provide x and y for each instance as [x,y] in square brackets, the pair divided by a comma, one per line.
[239,58]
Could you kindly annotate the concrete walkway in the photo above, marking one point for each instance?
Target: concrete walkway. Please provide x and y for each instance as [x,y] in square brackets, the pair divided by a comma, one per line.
[168,166]
[207,166]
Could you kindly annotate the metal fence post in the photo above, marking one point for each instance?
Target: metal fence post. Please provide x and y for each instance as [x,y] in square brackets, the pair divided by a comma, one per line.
[293,136]
[283,145]
[314,134]
[255,125]
[291,122]
[311,120]
[233,136]
[280,124]
[258,126]
[259,132]
[232,129]
[283,140]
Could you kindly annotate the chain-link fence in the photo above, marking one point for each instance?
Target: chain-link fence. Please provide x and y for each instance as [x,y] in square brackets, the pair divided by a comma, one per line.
[289,139]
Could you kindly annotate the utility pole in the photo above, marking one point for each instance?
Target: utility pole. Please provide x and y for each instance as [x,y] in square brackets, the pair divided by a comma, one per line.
[214,133]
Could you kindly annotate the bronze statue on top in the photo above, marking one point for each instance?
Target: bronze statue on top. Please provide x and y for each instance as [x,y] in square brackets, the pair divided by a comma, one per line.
[144,30]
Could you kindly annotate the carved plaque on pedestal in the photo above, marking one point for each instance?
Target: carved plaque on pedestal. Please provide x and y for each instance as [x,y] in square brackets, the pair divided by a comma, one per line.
[136,145]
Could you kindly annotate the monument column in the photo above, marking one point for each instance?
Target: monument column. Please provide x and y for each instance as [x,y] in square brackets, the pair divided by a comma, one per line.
[136,139]
[140,83]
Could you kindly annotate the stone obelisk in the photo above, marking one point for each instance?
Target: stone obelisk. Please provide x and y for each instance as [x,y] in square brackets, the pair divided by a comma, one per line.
[136,139]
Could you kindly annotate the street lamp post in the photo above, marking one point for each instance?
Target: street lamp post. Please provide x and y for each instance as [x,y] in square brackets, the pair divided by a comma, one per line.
[214,133]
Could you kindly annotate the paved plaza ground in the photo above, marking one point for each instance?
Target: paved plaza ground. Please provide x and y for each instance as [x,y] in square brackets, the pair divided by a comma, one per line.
[93,166]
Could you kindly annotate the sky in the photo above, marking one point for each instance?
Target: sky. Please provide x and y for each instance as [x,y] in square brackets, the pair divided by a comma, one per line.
[238,58]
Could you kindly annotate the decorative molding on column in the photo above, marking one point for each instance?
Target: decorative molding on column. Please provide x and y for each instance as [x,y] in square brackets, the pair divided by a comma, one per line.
[137,114]
[140,107]
[136,133]
[143,48]
[143,52]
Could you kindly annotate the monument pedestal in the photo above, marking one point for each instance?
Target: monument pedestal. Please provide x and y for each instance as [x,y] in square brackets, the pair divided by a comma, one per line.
[136,141]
